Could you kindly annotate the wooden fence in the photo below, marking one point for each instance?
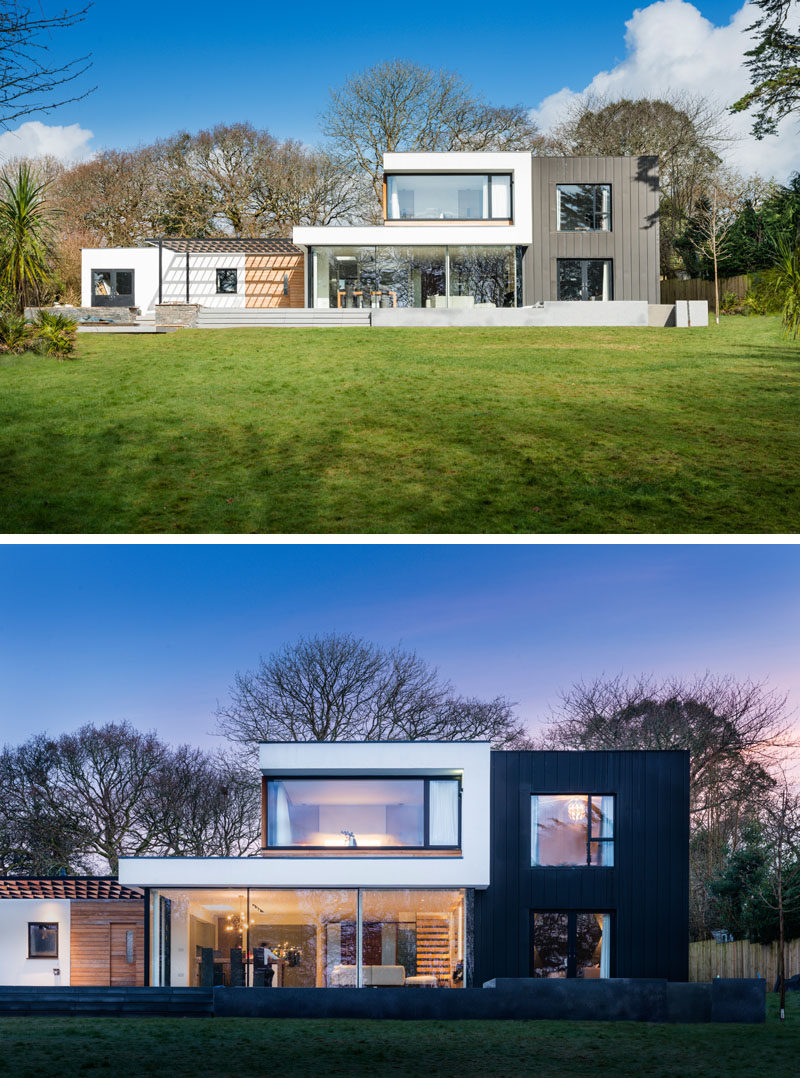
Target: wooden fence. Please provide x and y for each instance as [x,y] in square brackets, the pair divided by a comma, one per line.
[709,959]
[697,289]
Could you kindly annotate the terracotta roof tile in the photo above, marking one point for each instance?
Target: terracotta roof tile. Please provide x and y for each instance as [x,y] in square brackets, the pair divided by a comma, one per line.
[102,887]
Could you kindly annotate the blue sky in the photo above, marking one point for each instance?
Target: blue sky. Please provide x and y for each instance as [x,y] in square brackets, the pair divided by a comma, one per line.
[164,67]
[154,634]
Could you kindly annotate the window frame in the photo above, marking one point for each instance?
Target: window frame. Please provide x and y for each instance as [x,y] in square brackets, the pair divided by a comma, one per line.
[590,839]
[595,212]
[584,277]
[51,925]
[458,220]
[227,269]
[349,851]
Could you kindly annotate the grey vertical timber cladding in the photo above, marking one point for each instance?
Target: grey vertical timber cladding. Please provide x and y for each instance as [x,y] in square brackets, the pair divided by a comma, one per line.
[647,890]
[632,244]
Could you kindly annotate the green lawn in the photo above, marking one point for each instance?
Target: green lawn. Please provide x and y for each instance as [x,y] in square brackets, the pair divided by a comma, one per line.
[340,430]
[187,1047]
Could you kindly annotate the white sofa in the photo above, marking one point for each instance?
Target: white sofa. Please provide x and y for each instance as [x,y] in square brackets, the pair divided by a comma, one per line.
[373,976]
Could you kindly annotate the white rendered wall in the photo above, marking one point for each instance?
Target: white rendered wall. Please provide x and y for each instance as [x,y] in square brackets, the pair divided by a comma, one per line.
[471,760]
[15,966]
[457,233]
[202,279]
[144,262]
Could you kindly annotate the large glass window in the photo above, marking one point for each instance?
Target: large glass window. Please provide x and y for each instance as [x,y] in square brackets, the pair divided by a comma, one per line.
[412,938]
[482,277]
[585,279]
[416,276]
[572,829]
[306,937]
[570,944]
[583,207]
[448,197]
[362,813]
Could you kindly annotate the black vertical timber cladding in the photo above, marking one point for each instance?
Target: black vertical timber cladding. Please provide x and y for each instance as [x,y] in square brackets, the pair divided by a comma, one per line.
[647,890]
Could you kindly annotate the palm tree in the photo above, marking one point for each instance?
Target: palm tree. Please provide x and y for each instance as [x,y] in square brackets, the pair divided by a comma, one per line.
[26,230]
[786,280]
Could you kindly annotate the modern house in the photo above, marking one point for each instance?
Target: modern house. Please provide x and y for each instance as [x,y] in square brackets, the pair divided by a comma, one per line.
[464,236]
[433,864]
[70,931]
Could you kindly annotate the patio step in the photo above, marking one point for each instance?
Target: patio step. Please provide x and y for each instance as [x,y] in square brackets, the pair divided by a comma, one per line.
[211,318]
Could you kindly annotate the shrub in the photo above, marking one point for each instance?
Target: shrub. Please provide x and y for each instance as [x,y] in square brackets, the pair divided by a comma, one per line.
[763,297]
[14,333]
[57,333]
[730,303]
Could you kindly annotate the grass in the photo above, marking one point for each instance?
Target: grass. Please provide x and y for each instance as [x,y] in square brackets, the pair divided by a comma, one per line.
[419,431]
[188,1047]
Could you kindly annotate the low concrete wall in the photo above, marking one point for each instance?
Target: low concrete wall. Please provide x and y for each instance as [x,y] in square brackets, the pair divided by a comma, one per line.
[691,313]
[183,315]
[661,314]
[122,316]
[611,313]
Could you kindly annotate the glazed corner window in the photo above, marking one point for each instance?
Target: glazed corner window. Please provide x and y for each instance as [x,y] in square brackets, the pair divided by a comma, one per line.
[42,939]
[583,207]
[227,281]
[363,813]
[572,829]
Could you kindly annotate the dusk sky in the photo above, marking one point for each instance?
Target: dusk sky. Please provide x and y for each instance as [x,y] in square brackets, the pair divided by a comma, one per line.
[161,68]
[155,634]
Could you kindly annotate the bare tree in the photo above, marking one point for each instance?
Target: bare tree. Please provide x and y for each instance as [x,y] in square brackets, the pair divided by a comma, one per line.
[338,688]
[81,801]
[737,733]
[31,81]
[715,215]
[401,105]
[782,839]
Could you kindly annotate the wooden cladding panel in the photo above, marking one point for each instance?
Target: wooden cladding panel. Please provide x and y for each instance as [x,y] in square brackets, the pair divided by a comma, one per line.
[264,280]
[93,926]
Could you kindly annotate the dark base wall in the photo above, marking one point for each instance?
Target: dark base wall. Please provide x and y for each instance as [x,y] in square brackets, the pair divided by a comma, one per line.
[637,1001]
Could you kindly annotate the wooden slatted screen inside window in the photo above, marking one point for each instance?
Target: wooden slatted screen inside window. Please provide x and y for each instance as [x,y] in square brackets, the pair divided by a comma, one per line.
[433,947]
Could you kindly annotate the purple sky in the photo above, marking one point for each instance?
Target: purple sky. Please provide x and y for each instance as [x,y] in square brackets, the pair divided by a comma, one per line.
[155,633]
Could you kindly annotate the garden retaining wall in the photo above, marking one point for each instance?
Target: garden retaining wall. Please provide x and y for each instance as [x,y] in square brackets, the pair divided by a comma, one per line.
[122,316]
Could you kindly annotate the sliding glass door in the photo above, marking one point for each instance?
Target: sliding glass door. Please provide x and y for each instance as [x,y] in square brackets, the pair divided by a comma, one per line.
[570,944]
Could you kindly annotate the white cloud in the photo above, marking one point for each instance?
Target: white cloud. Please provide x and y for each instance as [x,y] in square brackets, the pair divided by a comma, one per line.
[671,46]
[35,139]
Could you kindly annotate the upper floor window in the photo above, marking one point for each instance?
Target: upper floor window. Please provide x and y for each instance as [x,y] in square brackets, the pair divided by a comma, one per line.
[583,207]
[572,829]
[363,813]
[449,197]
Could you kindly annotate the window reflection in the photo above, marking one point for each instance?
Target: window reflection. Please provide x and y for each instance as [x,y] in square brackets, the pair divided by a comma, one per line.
[369,277]
[570,944]
[572,829]
[584,207]
[585,279]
